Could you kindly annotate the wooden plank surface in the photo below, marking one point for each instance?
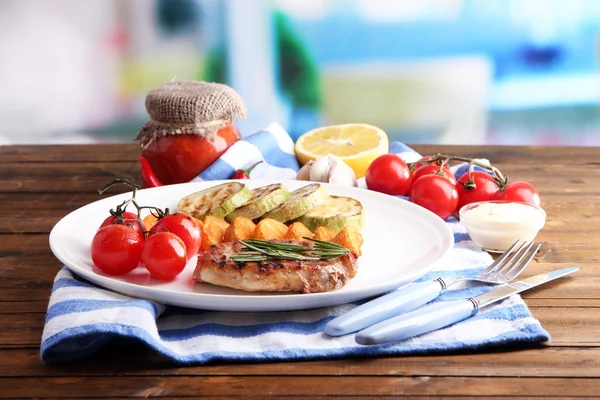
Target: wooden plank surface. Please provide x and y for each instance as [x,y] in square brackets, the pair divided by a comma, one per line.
[41,184]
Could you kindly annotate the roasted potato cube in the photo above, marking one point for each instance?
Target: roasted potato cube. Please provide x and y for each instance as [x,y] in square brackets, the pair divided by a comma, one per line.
[199,221]
[323,233]
[149,221]
[212,231]
[270,229]
[221,223]
[350,238]
[297,231]
[240,229]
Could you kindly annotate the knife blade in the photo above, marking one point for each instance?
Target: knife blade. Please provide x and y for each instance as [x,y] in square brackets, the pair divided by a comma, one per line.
[439,315]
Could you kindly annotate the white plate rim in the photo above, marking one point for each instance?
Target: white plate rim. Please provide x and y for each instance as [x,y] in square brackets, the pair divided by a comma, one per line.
[272,302]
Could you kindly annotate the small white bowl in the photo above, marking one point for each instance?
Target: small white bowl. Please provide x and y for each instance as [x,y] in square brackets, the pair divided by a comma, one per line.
[496,225]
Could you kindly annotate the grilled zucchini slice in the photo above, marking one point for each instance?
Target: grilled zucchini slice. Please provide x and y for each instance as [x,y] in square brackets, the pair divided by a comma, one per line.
[264,199]
[300,202]
[217,201]
[334,214]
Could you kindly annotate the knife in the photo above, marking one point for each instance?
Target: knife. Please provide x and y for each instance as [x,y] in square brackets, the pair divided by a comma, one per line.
[441,314]
[403,300]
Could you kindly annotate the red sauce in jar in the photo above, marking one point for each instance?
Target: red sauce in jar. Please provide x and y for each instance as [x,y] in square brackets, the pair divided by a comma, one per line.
[180,158]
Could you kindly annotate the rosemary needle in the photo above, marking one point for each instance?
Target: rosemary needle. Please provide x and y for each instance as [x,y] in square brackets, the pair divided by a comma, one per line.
[262,250]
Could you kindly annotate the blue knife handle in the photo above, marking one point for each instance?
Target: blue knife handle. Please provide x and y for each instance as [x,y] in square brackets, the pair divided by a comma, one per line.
[384,307]
[425,319]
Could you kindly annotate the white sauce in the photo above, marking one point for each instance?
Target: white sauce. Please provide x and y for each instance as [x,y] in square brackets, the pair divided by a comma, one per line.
[496,226]
[503,212]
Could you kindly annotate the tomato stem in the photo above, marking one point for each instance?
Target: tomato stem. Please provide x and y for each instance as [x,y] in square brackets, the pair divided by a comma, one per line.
[443,159]
[121,208]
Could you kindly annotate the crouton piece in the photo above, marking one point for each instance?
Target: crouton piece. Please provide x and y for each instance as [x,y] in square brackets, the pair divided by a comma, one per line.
[350,238]
[297,231]
[240,229]
[323,233]
[212,231]
[270,229]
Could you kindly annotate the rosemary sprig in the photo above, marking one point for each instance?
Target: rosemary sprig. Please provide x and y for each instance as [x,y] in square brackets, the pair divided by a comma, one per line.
[262,250]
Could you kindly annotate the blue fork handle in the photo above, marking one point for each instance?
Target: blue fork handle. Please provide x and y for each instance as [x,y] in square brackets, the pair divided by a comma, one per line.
[425,319]
[384,307]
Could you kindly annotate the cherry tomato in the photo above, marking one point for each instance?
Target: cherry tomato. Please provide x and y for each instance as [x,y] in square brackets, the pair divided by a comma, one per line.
[436,193]
[129,219]
[434,169]
[389,174]
[485,187]
[180,158]
[419,163]
[116,249]
[519,191]
[164,255]
[185,227]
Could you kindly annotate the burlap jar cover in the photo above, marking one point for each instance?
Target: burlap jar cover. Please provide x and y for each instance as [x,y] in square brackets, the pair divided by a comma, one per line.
[190,107]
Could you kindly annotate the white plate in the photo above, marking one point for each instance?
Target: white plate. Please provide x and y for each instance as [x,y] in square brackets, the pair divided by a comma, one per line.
[401,242]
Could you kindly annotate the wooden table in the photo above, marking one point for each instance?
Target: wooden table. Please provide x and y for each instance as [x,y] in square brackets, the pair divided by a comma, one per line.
[39,185]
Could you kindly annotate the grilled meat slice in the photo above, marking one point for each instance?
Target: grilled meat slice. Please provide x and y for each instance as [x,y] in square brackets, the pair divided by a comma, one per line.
[216,267]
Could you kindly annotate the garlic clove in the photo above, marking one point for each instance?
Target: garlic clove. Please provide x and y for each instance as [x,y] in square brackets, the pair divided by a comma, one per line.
[319,171]
[341,176]
[340,173]
[304,172]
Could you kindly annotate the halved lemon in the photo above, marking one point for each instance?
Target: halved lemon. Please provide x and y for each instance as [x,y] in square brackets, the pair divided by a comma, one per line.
[357,144]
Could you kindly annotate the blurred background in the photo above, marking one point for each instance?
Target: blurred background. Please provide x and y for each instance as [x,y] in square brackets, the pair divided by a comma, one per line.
[426,71]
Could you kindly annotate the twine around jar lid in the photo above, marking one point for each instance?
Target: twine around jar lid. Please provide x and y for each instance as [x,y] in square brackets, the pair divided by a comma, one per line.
[190,107]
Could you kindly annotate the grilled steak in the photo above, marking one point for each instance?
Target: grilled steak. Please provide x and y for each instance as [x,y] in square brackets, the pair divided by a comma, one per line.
[216,267]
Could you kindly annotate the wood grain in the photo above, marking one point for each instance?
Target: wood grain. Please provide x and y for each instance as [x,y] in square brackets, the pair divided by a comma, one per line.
[551,362]
[41,184]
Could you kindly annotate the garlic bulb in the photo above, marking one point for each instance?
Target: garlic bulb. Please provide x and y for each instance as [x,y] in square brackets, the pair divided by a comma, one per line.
[330,169]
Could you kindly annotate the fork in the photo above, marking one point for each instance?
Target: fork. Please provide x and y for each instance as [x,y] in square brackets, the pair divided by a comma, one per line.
[506,267]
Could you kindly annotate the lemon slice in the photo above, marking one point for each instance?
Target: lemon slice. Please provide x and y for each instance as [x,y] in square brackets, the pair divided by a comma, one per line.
[356,144]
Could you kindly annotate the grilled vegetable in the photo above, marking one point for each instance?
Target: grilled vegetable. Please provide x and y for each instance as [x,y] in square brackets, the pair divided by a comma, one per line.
[300,202]
[264,199]
[217,201]
[334,214]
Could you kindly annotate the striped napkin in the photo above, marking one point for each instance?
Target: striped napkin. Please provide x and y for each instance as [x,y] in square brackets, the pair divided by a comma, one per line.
[82,317]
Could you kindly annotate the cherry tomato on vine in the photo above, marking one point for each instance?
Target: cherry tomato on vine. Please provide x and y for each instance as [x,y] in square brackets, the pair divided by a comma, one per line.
[389,174]
[420,163]
[436,193]
[164,255]
[185,227]
[485,188]
[519,191]
[434,169]
[116,249]
[129,219]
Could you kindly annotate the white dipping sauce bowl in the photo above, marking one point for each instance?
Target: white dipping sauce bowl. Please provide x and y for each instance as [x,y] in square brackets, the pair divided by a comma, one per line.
[496,225]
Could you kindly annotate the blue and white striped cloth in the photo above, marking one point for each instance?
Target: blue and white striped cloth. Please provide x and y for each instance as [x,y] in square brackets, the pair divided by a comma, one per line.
[82,317]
